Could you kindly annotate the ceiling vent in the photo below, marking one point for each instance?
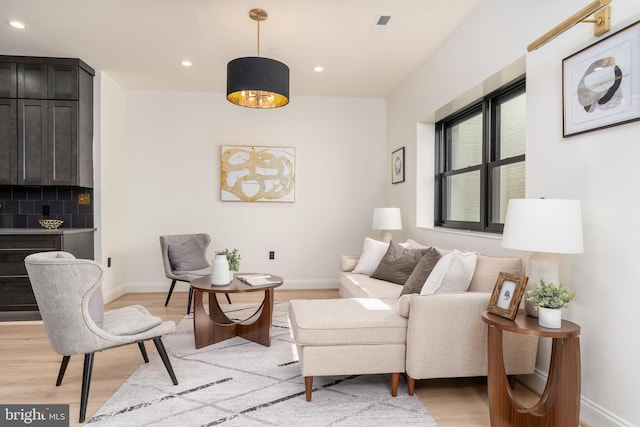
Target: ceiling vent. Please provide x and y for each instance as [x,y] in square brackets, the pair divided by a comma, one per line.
[383,19]
[380,24]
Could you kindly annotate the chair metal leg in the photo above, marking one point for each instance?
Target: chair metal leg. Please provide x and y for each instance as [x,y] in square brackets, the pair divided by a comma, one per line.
[228,299]
[63,369]
[86,382]
[190,298]
[173,285]
[143,350]
[165,359]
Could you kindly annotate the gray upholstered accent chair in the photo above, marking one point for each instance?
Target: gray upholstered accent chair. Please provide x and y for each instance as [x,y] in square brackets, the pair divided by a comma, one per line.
[69,296]
[184,257]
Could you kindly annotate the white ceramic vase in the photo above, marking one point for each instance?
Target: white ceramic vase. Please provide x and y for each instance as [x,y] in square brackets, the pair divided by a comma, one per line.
[550,317]
[220,271]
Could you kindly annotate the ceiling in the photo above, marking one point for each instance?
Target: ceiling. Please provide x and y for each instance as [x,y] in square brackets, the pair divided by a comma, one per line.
[141,43]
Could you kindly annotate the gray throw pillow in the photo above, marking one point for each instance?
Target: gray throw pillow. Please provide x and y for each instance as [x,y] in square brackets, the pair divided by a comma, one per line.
[416,280]
[397,263]
[187,256]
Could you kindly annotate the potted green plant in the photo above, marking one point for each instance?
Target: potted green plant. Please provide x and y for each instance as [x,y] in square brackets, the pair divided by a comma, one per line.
[233,257]
[549,299]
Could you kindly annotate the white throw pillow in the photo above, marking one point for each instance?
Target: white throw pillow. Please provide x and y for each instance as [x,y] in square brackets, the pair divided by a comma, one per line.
[452,273]
[460,273]
[372,253]
[436,276]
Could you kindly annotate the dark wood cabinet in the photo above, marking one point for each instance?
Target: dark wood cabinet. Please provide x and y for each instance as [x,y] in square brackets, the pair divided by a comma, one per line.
[32,81]
[17,301]
[8,80]
[63,82]
[32,141]
[63,143]
[47,80]
[48,142]
[8,146]
[53,122]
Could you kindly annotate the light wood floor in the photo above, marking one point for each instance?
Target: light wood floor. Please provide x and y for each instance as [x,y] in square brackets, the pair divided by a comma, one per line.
[28,367]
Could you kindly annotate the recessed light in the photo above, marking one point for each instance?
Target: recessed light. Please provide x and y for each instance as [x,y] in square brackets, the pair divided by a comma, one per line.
[318,69]
[186,63]
[17,24]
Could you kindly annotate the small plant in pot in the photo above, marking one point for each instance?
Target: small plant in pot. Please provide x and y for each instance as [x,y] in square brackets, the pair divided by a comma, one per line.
[233,257]
[549,299]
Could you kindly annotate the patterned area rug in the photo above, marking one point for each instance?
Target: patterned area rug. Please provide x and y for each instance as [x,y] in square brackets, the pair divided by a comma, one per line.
[240,383]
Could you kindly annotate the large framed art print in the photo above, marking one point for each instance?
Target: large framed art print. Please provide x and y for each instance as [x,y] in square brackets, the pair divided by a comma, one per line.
[601,83]
[257,174]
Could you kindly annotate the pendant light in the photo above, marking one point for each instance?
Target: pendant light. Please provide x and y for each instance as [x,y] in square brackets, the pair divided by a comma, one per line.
[257,82]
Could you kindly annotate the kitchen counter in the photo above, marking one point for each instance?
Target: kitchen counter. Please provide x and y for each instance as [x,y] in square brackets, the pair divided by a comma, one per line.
[41,231]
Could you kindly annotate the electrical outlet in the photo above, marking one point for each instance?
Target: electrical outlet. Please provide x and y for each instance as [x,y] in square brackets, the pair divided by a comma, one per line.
[46,210]
[84,199]
[272,255]
[108,262]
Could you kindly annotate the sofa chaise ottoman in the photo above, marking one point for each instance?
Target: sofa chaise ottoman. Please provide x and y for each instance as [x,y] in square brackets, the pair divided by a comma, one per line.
[348,337]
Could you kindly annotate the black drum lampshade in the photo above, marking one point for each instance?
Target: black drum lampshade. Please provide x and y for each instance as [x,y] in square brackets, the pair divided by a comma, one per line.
[257,82]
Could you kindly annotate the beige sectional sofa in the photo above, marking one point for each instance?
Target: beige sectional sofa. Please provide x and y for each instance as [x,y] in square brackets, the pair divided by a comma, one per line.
[373,329]
[446,336]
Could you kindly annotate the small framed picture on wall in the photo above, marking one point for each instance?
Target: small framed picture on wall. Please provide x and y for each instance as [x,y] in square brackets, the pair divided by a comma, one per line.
[397,166]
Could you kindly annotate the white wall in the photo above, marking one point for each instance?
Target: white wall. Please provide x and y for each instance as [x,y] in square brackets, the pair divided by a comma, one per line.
[173,153]
[598,168]
[110,163]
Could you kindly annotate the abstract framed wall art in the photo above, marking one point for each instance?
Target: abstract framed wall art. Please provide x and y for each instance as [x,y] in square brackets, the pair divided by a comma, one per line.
[257,174]
[601,83]
[397,166]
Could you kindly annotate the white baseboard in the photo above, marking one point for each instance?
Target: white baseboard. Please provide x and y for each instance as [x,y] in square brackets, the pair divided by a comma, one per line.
[184,287]
[594,415]
[591,414]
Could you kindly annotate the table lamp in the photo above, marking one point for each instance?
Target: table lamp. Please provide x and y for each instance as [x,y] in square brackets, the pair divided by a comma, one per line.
[544,227]
[386,219]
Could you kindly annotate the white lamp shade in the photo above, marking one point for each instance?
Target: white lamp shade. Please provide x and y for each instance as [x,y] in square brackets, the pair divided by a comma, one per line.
[386,219]
[543,225]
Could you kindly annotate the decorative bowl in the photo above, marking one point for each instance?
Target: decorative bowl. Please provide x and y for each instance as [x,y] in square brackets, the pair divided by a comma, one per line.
[51,224]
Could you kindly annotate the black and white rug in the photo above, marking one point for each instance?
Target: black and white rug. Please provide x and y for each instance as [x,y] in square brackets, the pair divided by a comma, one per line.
[240,383]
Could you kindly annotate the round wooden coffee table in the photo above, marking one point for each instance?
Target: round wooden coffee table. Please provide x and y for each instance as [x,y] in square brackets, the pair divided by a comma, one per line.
[215,326]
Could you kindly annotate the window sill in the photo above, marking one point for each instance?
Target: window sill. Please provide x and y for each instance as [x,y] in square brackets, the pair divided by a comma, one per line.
[468,233]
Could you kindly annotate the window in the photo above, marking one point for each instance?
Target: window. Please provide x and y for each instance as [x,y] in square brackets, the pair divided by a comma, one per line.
[480,158]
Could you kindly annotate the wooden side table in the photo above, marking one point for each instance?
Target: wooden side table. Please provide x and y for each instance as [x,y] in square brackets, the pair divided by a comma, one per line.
[215,326]
[559,404]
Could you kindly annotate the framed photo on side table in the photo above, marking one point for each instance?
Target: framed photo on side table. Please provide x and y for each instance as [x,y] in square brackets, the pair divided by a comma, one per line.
[507,295]
[601,83]
[397,166]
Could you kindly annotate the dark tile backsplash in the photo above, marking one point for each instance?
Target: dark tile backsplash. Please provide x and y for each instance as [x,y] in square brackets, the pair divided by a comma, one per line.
[23,207]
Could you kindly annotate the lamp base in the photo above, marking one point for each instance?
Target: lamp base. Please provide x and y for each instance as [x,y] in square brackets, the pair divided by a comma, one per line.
[386,236]
[540,266]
